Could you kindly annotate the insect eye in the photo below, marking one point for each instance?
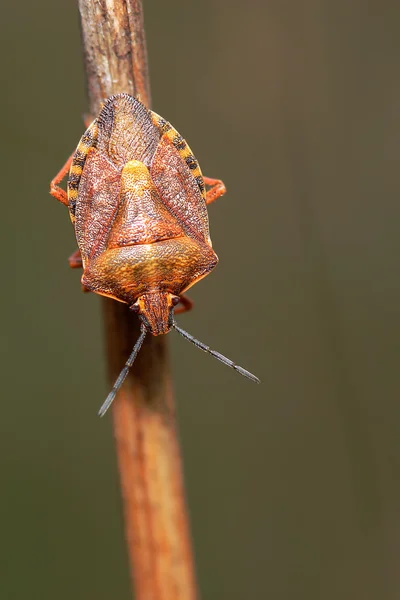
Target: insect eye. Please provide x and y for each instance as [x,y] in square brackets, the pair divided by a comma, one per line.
[175,300]
[135,307]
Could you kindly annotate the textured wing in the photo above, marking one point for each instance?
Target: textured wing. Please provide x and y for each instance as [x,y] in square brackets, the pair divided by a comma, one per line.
[96,204]
[123,131]
[177,176]
[126,131]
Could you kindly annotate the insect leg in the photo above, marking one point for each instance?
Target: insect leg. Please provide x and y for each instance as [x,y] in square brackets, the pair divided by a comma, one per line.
[186,304]
[217,189]
[55,190]
[75,260]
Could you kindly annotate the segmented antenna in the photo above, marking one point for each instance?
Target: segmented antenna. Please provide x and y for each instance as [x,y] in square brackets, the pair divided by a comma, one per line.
[122,376]
[216,355]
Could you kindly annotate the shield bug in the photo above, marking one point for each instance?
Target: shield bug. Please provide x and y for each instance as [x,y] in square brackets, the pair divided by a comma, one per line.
[138,203]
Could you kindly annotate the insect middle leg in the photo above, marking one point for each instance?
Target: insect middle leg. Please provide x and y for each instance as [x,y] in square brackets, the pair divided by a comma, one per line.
[55,189]
[185,304]
[216,190]
[75,262]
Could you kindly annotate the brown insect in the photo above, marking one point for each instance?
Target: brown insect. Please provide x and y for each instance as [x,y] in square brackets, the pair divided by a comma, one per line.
[138,202]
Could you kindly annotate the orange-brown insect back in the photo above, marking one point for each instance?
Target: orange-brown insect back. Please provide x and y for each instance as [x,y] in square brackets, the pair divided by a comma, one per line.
[137,199]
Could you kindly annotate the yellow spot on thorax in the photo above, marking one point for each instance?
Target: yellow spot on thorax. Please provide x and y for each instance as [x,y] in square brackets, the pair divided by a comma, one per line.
[135,175]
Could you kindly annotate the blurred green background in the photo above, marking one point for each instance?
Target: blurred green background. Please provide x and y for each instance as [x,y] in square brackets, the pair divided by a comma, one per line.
[293,486]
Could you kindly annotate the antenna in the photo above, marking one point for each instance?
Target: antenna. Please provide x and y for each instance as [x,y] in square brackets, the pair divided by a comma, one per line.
[122,376]
[217,355]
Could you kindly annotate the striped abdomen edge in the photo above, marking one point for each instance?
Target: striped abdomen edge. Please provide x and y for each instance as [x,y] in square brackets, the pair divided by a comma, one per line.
[87,141]
[183,148]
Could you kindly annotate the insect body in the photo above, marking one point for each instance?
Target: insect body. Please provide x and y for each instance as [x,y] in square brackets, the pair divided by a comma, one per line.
[137,199]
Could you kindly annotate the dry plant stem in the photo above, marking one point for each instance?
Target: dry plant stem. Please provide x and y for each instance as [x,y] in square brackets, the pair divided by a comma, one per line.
[155,513]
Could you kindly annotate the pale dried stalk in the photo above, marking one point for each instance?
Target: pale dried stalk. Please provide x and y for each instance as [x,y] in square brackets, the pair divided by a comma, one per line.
[155,513]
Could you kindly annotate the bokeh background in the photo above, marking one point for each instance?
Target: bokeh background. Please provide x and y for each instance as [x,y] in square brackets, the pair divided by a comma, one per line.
[294,485]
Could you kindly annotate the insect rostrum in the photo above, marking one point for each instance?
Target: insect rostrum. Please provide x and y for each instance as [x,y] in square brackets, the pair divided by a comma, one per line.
[138,202]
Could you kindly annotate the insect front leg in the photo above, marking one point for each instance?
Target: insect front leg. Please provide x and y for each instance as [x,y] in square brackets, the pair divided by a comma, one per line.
[185,304]
[55,189]
[216,190]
